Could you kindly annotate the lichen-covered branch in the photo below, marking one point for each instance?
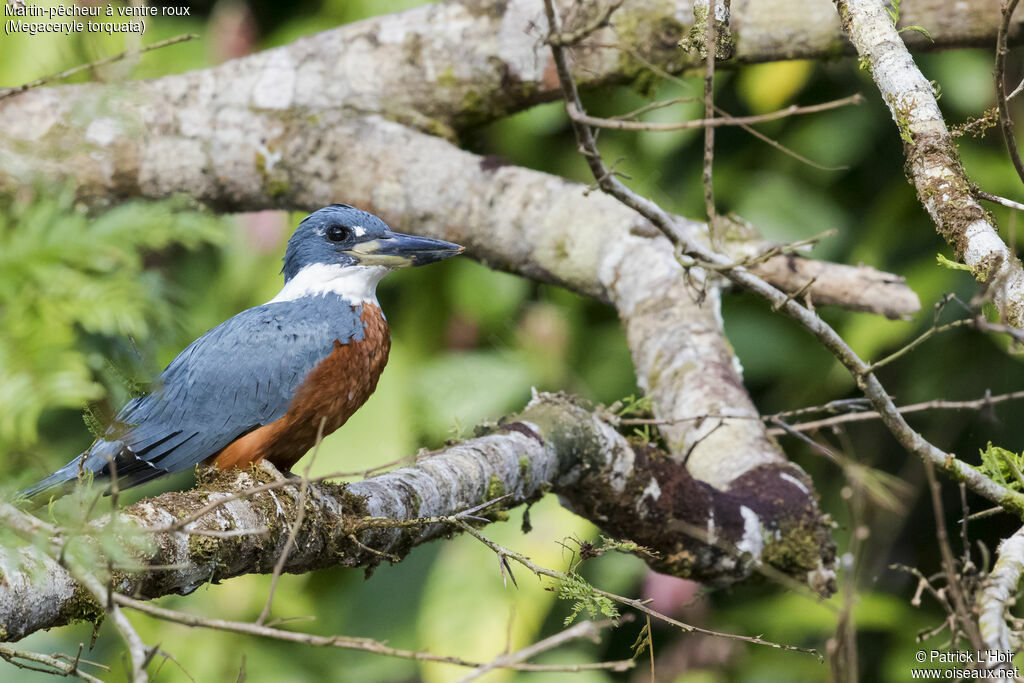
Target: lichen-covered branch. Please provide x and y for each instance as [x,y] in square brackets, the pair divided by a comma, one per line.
[631,490]
[933,163]
[998,594]
[202,137]
[462,62]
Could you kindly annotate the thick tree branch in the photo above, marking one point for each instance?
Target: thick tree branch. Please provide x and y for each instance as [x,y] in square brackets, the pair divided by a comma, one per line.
[203,137]
[450,64]
[630,490]
[933,163]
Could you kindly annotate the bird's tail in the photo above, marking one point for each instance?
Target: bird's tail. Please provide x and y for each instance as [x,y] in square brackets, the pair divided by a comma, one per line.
[55,485]
[90,463]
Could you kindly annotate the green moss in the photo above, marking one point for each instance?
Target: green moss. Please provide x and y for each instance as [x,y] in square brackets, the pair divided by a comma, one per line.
[796,546]
[479,105]
[525,473]
[274,184]
[695,41]
[495,488]
[473,103]
[278,188]
[654,33]
[415,502]
[446,79]
[81,607]
[203,549]
[1013,503]
[901,115]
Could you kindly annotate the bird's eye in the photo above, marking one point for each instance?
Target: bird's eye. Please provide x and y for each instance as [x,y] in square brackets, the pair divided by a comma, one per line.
[339,233]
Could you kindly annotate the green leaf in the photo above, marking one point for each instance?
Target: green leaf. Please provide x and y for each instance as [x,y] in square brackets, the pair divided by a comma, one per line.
[1003,466]
[920,29]
[584,598]
[952,265]
[66,278]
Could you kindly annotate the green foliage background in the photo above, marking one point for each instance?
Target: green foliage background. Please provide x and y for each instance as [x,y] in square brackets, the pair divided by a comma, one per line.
[92,304]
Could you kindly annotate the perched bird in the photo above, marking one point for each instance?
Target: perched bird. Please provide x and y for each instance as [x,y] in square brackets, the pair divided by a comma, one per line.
[260,384]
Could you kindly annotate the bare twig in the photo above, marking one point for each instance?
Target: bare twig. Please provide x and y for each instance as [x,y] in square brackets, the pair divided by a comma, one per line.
[936,404]
[844,418]
[344,642]
[638,605]
[10,92]
[576,35]
[300,514]
[914,343]
[724,114]
[961,612]
[1003,201]
[139,653]
[56,663]
[712,121]
[710,27]
[589,630]
[1005,122]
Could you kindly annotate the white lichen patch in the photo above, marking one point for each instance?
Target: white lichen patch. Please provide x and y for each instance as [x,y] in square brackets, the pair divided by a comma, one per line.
[172,165]
[821,578]
[275,86]
[102,131]
[752,541]
[712,530]
[518,44]
[277,502]
[38,112]
[269,157]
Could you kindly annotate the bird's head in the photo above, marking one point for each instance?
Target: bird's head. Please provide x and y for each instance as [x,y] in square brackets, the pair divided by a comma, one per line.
[341,235]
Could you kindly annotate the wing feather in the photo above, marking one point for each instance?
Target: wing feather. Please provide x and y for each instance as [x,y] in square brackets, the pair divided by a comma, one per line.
[235,378]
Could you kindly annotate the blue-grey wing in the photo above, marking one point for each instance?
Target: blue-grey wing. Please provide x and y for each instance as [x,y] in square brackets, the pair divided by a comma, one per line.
[237,377]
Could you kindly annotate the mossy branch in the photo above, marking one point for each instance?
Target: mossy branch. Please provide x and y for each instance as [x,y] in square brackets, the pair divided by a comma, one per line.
[553,445]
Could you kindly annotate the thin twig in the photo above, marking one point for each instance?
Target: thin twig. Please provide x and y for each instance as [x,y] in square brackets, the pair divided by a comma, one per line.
[576,35]
[60,668]
[961,611]
[711,121]
[1008,203]
[344,642]
[638,605]
[139,654]
[585,629]
[1005,122]
[709,113]
[759,135]
[811,425]
[935,404]
[300,514]
[10,92]
[933,330]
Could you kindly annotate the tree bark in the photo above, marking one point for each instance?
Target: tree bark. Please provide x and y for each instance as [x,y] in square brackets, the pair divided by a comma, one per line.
[627,488]
[933,162]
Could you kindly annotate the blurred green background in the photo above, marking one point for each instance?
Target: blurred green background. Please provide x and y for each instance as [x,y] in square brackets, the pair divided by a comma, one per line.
[91,305]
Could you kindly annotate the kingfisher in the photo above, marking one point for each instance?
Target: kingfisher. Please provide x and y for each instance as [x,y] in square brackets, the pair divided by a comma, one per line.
[262,384]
